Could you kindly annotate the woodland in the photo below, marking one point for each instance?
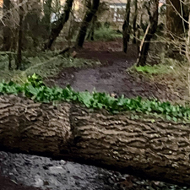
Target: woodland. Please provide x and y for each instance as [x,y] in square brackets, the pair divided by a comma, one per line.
[98,82]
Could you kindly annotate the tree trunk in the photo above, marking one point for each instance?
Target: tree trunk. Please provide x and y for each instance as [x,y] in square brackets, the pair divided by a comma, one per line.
[86,22]
[57,26]
[126,27]
[176,15]
[47,15]
[135,22]
[92,28]
[6,28]
[20,36]
[155,148]
[148,36]
[174,21]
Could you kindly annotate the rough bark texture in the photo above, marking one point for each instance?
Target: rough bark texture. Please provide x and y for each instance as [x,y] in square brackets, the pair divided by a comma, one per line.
[86,22]
[135,22]
[20,36]
[30,126]
[158,149]
[126,27]
[57,26]
[150,33]
[6,28]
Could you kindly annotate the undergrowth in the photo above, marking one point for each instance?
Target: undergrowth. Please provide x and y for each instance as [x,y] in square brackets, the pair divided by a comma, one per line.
[44,64]
[170,73]
[149,70]
[35,89]
[106,34]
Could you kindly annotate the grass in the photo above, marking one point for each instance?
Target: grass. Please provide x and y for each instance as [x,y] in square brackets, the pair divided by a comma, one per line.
[44,64]
[168,67]
[170,73]
[106,34]
[156,69]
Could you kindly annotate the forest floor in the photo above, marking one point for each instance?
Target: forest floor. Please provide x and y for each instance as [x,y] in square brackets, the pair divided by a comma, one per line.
[110,77]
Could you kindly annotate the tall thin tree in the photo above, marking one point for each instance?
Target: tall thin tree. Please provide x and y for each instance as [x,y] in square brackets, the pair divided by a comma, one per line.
[135,21]
[151,29]
[6,25]
[174,18]
[20,35]
[58,25]
[90,13]
[126,27]
[47,5]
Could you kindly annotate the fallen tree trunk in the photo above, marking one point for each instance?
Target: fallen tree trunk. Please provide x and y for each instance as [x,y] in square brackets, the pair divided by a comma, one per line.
[159,149]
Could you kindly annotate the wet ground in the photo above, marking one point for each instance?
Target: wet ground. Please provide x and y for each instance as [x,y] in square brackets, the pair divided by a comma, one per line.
[28,172]
[111,77]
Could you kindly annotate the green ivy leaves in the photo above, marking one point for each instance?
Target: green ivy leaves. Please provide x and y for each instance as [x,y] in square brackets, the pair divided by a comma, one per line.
[35,89]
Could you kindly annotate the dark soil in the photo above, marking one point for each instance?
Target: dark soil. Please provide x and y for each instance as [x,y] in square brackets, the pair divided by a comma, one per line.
[112,76]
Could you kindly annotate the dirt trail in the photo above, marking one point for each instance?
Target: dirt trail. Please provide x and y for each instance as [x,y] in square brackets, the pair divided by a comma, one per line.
[111,77]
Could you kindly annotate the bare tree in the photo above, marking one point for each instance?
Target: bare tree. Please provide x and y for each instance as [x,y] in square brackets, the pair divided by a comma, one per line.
[57,26]
[47,14]
[174,18]
[103,6]
[135,21]
[90,13]
[6,25]
[126,27]
[20,36]
[151,29]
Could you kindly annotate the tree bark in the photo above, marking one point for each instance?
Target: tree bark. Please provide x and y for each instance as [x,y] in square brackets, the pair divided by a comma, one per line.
[46,20]
[92,28]
[158,149]
[150,33]
[174,21]
[135,22]
[86,22]
[126,27]
[20,36]
[177,23]
[6,28]
[58,25]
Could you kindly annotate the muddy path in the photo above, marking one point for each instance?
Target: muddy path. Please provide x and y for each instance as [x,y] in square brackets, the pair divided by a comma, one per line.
[111,76]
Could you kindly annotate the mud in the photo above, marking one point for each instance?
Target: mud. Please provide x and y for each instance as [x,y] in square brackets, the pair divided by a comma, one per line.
[111,77]
[30,172]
